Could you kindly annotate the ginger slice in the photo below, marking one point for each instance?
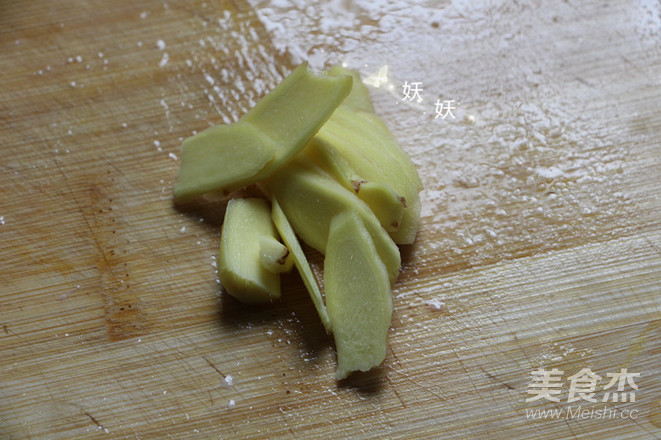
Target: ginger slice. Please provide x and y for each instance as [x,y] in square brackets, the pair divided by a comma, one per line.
[385,202]
[274,255]
[301,262]
[310,198]
[229,157]
[364,141]
[358,295]
[240,268]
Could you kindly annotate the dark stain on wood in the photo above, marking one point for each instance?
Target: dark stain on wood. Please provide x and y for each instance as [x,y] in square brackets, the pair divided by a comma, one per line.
[123,312]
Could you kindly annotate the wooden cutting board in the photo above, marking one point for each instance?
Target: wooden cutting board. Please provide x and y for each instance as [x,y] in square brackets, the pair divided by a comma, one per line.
[539,246]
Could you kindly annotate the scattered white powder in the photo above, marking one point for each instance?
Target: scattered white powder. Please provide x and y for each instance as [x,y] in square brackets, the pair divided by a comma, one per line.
[2,219]
[164,60]
[183,229]
[157,143]
[160,44]
[550,172]
[144,14]
[209,79]
[229,380]
[435,304]
[231,404]
[173,156]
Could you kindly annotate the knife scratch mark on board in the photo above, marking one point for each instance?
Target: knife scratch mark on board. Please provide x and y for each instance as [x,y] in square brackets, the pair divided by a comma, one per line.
[500,381]
[652,245]
[418,384]
[212,365]
[394,390]
[96,422]
[410,379]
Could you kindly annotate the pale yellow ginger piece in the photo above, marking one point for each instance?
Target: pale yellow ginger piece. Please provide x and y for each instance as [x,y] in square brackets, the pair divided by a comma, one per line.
[383,200]
[310,198]
[359,97]
[364,141]
[358,295]
[240,267]
[228,157]
[274,255]
[301,262]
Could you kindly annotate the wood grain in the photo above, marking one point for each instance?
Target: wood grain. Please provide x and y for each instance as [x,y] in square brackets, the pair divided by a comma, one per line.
[539,244]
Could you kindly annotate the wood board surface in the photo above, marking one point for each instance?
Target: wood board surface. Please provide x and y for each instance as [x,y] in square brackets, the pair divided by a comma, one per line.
[539,247]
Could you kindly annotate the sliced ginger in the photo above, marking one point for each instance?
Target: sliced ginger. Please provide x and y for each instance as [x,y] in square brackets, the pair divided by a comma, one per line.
[240,267]
[363,140]
[228,157]
[383,200]
[310,198]
[359,97]
[302,264]
[358,295]
[352,194]
[275,256]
